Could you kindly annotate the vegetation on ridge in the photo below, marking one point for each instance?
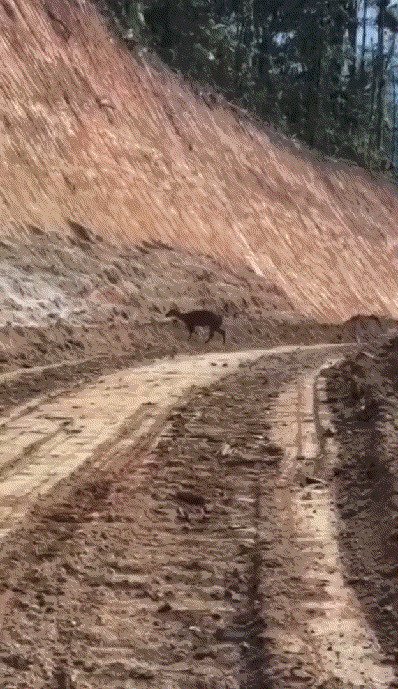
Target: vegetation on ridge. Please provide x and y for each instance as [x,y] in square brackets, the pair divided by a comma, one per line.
[322,71]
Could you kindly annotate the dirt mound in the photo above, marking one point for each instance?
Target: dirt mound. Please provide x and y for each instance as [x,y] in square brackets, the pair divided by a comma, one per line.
[368,328]
[128,153]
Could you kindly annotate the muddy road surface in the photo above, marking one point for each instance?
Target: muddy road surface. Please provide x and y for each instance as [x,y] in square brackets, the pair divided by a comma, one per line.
[192,539]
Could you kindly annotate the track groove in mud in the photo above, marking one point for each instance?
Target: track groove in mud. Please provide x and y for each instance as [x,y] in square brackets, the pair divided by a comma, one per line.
[367,489]
[182,561]
[327,616]
[40,446]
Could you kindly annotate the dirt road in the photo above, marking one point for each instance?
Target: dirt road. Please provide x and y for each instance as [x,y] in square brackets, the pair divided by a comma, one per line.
[196,543]
[48,440]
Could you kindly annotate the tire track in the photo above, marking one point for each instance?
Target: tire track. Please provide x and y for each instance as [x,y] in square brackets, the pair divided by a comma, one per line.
[327,622]
[367,489]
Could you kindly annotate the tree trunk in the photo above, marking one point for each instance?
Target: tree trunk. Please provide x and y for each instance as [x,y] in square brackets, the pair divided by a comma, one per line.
[394,122]
[249,34]
[380,78]
[245,49]
[239,57]
[353,36]
[314,98]
[317,27]
[363,46]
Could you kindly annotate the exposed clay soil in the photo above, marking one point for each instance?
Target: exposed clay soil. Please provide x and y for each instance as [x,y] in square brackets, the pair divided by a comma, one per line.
[174,566]
[91,132]
[153,573]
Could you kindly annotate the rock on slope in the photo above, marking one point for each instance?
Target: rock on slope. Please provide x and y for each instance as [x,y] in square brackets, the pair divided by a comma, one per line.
[92,133]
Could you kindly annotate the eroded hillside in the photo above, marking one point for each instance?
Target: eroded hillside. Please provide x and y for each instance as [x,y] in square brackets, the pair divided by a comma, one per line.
[91,133]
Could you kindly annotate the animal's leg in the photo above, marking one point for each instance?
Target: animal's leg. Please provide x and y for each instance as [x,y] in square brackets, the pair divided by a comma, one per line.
[191,330]
[211,334]
[222,332]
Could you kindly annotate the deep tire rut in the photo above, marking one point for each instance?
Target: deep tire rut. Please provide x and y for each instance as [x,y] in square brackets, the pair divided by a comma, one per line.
[42,446]
[328,620]
[367,488]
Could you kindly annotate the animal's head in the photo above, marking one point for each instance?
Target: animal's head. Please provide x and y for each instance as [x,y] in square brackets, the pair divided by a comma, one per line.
[172,312]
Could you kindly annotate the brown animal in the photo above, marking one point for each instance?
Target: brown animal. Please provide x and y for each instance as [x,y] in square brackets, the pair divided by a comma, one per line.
[201,318]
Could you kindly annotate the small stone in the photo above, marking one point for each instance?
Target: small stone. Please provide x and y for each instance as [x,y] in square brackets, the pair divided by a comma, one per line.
[314,480]
[166,607]
[191,498]
[196,630]
[16,661]
[204,653]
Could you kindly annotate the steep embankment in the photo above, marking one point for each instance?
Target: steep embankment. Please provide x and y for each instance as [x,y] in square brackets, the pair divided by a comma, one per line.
[93,134]
[89,132]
